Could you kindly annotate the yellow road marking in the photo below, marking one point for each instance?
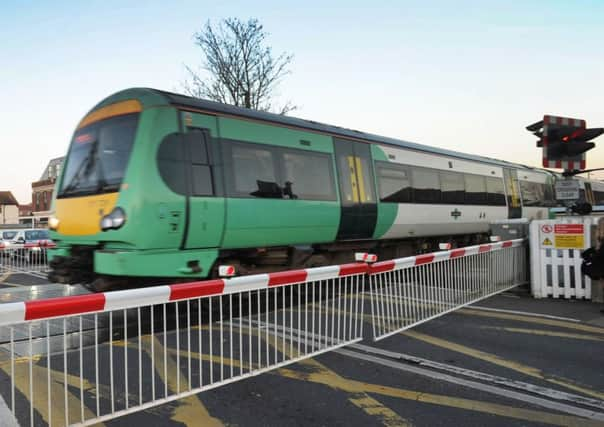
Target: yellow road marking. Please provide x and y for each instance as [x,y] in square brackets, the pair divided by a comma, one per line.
[190,410]
[5,276]
[496,360]
[353,386]
[57,388]
[545,333]
[361,400]
[549,322]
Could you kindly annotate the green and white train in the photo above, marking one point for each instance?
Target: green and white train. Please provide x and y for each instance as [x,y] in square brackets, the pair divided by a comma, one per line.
[164,186]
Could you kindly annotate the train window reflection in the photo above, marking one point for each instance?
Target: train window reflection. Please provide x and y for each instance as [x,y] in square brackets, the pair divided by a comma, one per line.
[394,184]
[426,186]
[476,190]
[308,176]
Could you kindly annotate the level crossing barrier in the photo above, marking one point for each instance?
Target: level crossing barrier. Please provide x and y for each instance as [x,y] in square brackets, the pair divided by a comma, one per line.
[556,247]
[28,258]
[409,291]
[90,358]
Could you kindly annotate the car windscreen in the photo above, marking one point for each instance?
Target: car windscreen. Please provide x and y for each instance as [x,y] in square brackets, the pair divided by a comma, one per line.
[36,235]
[98,156]
[7,235]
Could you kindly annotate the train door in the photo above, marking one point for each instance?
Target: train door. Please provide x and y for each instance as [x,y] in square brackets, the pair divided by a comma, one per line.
[589,194]
[512,190]
[357,190]
[205,213]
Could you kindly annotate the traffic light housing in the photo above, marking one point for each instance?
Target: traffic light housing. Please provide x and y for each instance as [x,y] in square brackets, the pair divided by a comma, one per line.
[564,141]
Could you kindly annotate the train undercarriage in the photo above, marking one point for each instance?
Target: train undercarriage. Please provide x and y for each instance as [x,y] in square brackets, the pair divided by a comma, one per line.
[79,266]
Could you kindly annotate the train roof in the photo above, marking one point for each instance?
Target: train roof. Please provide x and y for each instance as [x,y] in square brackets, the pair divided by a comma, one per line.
[217,107]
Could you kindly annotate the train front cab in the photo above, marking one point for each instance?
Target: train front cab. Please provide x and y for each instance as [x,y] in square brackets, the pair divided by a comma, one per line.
[127,161]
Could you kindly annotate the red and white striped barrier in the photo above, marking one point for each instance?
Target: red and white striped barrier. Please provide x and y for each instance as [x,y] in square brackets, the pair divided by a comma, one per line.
[12,313]
[409,291]
[400,263]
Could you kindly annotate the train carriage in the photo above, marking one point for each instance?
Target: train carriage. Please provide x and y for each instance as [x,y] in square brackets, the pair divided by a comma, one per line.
[163,186]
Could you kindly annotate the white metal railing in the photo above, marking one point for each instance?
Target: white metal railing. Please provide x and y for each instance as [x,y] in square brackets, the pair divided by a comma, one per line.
[28,258]
[90,358]
[408,291]
[556,268]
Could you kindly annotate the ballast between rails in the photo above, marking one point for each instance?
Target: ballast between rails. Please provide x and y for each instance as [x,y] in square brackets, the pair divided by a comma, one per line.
[17,312]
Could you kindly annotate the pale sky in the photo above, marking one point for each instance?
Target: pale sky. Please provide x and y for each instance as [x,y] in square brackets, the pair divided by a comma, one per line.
[464,75]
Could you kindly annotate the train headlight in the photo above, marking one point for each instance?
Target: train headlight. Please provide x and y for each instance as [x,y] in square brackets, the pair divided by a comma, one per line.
[114,220]
[53,223]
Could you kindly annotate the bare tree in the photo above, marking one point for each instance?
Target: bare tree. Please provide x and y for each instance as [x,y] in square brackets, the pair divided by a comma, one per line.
[240,68]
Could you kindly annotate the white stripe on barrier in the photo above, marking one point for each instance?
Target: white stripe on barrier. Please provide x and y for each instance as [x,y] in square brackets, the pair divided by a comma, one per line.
[323,273]
[119,300]
[13,312]
[246,283]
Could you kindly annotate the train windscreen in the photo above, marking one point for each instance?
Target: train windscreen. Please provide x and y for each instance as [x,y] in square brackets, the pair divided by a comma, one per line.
[98,156]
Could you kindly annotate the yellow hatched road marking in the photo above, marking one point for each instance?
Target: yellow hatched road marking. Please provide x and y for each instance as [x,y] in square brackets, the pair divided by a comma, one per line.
[496,360]
[190,410]
[545,333]
[353,386]
[536,320]
[360,399]
[57,388]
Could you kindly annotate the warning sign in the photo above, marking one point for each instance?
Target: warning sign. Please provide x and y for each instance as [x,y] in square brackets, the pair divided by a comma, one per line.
[562,236]
[569,241]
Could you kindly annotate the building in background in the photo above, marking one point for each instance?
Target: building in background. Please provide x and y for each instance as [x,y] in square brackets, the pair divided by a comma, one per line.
[42,192]
[9,208]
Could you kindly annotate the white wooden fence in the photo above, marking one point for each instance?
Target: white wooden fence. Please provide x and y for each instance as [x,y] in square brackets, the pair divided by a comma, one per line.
[556,247]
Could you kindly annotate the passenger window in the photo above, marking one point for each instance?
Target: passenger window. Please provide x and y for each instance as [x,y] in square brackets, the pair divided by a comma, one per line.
[426,186]
[394,183]
[532,193]
[308,176]
[254,171]
[452,187]
[476,192]
[495,192]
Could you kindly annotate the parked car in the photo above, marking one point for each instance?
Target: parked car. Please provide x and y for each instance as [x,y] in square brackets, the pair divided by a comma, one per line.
[31,244]
[7,241]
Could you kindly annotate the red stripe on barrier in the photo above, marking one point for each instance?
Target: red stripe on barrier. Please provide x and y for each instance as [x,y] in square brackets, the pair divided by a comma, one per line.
[424,259]
[287,277]
[63,306]
[196,289]
[456,253]
[380,267]
[507,244]
[484,248]
[348,269]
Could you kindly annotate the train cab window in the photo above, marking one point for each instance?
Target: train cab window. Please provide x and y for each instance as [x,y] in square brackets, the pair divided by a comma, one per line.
[307,175]
[426,186]
[495,191]
[254,171]
[394,183]
[476,190]
[452,187]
